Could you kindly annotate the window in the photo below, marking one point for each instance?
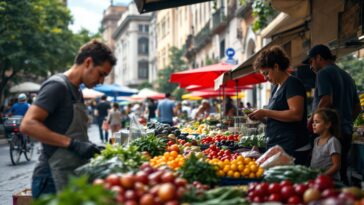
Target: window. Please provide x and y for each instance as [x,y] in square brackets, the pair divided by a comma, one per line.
[143,69]
[222,49]
[143,28]
[143,47]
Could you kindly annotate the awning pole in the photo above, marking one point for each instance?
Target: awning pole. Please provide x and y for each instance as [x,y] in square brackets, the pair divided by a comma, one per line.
[237,97]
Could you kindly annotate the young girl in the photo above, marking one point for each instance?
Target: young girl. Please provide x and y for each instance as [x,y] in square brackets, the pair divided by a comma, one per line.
[326,152]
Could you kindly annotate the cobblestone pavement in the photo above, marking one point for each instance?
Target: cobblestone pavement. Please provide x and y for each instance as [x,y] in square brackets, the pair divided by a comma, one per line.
[16,178]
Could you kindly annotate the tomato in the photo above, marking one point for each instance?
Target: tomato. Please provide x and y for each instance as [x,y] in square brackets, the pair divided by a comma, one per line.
[285,183]
[147,199]
[258,199]
[300,188]
[275,197]
[167,192]
[113,180]
[130,195]
[274,188]
[142,177]
[329,193]
[261,189]
[324,182]
[287,191]
[294,200]
[170,142]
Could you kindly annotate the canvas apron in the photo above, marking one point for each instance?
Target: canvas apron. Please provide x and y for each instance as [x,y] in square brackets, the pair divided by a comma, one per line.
[63,162]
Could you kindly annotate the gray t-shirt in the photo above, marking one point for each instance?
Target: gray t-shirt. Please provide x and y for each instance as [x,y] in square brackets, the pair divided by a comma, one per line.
[337,83]
[165,108]
[321,154]
[55,97]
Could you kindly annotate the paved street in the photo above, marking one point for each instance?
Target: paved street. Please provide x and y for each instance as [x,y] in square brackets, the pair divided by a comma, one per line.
[16,178]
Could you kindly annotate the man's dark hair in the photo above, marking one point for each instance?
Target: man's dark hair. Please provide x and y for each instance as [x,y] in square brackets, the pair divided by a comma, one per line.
[98,51]
[103,97]
[168,95]
[270,56]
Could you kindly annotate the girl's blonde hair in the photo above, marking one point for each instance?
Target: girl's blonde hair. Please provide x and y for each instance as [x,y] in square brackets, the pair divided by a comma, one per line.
[330,115]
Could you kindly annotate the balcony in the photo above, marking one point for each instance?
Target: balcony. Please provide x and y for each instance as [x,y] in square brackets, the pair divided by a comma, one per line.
[203,37]
[219,21]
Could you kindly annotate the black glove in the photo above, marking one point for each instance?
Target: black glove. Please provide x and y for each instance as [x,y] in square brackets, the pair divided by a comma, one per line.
[85,150]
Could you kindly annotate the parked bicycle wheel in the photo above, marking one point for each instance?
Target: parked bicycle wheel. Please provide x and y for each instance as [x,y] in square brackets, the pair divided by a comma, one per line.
[29,148]
[15,149]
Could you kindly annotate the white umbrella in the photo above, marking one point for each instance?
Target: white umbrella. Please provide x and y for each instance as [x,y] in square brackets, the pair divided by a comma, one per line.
[91,93]
[25,87]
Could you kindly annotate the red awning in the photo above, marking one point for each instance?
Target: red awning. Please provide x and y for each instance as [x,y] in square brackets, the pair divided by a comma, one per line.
[226,80]
[211,94]
[203,76]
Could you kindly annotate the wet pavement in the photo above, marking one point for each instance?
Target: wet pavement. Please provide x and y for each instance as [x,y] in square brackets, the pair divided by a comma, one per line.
[16,178]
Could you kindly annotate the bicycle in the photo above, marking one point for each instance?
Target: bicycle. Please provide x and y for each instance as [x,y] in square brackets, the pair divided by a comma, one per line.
[18,143]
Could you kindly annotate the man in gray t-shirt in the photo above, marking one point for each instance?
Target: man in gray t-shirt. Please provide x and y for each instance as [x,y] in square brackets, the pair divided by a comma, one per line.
[335,89]
[165,110]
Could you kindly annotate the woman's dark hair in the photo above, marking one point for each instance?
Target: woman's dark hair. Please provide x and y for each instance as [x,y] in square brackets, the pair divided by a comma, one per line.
[270,56]
[330,115]
[115,106]
[98,51]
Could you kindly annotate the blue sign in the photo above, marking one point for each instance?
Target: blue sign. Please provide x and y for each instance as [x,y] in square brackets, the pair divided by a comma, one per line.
[230,53]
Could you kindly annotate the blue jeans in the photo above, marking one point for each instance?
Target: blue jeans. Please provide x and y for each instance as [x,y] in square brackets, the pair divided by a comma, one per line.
[42,185]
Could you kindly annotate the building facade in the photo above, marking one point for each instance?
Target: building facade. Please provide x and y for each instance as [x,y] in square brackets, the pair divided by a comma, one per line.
[132,47]
[109,21]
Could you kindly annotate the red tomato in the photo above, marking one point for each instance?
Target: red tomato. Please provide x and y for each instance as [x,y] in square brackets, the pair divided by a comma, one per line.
[258,199]
[285,183]
[170,143]
[324,182]
[274,188]
[300,188]
[261,189]
[287,191]
[275,197]
[294,200]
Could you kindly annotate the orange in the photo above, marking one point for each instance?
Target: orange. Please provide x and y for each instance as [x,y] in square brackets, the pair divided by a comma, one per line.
[230,173]
[251,175]
[241,167]
[260,172]
[233,167]
[247,160]
[174,154]
[220,173]
[236,175]
[253,168]
[166,154]
[246,172]
[226,168]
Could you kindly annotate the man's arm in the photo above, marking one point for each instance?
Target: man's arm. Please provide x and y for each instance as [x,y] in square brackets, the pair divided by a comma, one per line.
[32,125]
[325,101]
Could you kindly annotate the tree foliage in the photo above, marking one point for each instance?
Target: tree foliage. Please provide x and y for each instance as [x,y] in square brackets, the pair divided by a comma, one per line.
[35,39]
[176,64]
[354,66]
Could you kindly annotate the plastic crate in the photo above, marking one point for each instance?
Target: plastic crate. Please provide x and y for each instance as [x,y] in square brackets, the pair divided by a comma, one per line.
[227,181]
[23,197]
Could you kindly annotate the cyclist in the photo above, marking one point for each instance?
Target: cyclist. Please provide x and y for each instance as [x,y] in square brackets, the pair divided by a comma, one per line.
[21,107]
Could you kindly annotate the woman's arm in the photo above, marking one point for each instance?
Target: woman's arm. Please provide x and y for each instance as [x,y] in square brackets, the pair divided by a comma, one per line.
[294,113]
[336,163]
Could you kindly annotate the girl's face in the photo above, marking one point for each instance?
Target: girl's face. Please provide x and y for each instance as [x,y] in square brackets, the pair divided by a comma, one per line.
[319,125]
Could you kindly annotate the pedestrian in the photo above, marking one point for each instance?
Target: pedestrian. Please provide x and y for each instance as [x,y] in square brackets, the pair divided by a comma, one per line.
[286,113]
[230,109]
[334,88]
[203,111]
[58,119]
[101,113]
[327,148]
[165,110]
[114,119]
[21,107]
[151,108]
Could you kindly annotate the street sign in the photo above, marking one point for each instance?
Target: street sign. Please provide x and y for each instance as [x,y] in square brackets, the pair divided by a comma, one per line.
[230,53]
